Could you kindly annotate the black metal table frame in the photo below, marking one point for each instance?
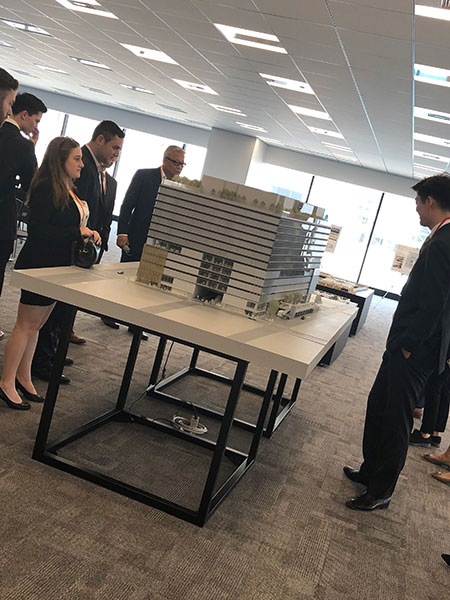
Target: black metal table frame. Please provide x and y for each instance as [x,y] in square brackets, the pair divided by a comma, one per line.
[281,405]
[47,453]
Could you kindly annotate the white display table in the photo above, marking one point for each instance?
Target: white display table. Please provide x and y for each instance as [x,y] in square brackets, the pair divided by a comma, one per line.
[288,347]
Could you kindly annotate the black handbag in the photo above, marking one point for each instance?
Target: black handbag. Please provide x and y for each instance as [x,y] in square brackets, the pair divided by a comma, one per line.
[84,253]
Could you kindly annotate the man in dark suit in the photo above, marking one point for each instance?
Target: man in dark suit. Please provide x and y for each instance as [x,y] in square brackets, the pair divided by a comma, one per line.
[137,207]
[103,149]
[18,164]
[8,87]
[417,345]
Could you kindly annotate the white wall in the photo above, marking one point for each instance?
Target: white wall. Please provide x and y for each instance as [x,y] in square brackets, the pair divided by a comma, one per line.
[229,155]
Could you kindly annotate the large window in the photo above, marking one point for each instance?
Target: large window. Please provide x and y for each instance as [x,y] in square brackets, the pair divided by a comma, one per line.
[80,129]
[195,159]
[397,223]
[353,208]
[279,180]
[50,127]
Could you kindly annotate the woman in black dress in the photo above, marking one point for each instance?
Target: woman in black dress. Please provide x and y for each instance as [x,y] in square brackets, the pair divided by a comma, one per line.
[57,218]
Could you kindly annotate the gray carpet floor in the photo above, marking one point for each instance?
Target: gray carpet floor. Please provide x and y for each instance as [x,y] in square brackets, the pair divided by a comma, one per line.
[282,534]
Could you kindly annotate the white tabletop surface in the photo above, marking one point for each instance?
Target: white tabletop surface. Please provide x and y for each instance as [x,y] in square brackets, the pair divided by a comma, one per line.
[292,346]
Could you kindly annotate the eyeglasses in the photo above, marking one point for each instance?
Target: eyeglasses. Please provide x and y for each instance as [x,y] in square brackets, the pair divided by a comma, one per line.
[177,163]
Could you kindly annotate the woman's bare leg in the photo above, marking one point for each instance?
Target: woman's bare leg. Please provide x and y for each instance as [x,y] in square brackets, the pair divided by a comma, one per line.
[19,349]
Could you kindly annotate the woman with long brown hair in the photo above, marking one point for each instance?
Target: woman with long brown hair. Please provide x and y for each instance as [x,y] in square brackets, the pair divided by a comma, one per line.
[57,218]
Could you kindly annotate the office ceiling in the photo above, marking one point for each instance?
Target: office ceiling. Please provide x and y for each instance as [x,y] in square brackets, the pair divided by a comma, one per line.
[356,57]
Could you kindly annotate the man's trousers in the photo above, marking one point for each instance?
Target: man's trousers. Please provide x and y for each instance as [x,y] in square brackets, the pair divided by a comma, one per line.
[389,420]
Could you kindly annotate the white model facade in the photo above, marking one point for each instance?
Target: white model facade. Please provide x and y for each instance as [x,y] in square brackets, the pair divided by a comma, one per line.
[233,245]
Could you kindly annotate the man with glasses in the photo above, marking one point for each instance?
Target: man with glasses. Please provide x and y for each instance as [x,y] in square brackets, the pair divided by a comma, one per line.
[137,207]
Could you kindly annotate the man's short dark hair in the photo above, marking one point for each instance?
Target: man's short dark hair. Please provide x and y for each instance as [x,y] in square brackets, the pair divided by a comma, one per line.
[28,102]
[7,81]
[109,130]
[438,187]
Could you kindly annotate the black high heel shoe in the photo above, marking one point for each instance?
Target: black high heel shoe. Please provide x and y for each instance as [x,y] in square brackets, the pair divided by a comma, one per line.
[28,395]
[11,404]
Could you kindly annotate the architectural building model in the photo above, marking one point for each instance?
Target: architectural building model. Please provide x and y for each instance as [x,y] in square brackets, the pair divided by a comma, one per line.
[246,250]
[340,284]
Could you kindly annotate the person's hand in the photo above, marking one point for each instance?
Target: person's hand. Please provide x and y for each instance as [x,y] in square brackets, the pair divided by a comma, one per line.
[97,238]
[405,353]
[86,232]
[122,240]
[34,135]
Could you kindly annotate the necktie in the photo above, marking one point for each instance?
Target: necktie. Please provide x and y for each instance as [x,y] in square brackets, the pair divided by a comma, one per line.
[103,180]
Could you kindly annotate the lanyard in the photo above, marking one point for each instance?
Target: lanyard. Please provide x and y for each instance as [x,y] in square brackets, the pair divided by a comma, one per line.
[443,222]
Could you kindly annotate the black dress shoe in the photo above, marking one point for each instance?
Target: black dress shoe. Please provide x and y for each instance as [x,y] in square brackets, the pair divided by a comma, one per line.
[11,404]
[110,322]
[28,395]
[354,475]
[44,375]
[68,362]
[446,558]
[367,502]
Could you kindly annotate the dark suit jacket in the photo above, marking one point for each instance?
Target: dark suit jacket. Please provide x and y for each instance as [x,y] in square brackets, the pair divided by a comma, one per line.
[137,207]
[51,232]
[17,158]
[88,189]
[108,201]
[421,323]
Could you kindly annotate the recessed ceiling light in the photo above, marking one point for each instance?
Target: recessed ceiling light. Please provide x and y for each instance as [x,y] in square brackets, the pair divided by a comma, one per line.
[270,141]
[319,131]
[431,115]
[432,139]
[309,112]
[5,44]
[52,69]
[337,147]
[254,39]
[432,75]
[444,159]
[26,27]
[150,54]
[252,127]
[434,13]
[135,88]
[195,87]
[227,109]
[346,158]
[288,84]
[420,166]
[129,106]
[90,63]
[87,6]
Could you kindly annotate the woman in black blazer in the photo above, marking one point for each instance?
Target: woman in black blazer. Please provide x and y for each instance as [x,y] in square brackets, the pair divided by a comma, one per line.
[57,218]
